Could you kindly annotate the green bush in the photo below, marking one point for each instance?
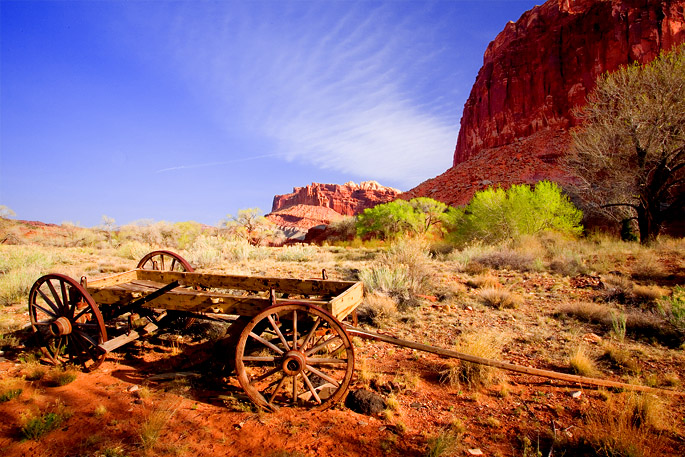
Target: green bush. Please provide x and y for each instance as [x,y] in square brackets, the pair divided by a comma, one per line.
[495,214]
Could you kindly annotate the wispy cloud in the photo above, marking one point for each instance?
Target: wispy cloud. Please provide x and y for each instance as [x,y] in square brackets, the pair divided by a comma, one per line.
[343,87]
[215,164]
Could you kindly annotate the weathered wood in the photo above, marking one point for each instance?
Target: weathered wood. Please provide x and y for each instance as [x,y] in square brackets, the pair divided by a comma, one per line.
[193,301]
[346,302]
[504,365]
[113,280]
[249,283]
[115,343]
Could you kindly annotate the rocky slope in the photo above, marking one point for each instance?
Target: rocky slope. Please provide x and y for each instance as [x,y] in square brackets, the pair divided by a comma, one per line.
[317,204]
[534,73]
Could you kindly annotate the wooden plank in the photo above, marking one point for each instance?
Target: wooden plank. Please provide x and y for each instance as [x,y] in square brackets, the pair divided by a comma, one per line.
[112,280]
[194,301]
[249,283]
[342,305]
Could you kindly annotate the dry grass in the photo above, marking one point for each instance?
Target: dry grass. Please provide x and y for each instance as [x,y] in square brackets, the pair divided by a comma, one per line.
[630,425]
[152,428]
[481,344]
[581,363]
[483,281]
[377,309]
[500,298]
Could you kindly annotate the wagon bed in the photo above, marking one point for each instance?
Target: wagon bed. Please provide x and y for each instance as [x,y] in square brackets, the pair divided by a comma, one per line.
[201,293]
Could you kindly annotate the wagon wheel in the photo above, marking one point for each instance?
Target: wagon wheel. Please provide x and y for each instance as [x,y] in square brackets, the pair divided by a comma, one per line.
[303,357]
[169,261]
[67,321]
[164,261]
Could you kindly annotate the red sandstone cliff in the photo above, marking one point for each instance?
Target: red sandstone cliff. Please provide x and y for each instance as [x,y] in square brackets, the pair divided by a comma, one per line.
[347,199]
[534,73]
[538,68]
[319,204]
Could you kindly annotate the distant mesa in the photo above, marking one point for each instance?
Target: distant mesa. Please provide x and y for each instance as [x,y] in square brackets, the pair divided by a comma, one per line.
[515,123]
[318,204]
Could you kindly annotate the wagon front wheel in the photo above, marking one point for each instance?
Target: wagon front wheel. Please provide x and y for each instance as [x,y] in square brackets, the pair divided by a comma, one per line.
[67,321]
[302,357]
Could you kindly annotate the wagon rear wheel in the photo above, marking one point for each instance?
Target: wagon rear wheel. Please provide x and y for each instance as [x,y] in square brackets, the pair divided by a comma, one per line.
[67,321]
[169,261]
[165,261]
[303,357]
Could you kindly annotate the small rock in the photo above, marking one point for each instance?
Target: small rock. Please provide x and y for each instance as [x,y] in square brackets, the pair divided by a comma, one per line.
[416,405]
[576,394]
[365,402]
[133,388]
[592,338]
[475,451]
[362,423]
[138,401]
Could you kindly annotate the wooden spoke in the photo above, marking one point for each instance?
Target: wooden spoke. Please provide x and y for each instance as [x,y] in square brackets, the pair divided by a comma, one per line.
[311,388]
[320,346]
[277,330]
[311,332]
[62,334]
[295,336]
[266,343]
[311,378]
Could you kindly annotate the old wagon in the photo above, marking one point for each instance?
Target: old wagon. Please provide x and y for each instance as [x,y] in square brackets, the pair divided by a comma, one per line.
[289,346]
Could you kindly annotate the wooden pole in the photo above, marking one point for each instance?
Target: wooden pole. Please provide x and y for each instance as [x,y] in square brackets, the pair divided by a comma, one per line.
[353,331]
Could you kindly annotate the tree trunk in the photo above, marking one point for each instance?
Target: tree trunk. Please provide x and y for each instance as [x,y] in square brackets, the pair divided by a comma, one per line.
[648,224]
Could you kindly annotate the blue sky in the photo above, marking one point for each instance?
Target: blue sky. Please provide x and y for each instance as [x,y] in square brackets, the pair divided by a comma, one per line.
[191,110]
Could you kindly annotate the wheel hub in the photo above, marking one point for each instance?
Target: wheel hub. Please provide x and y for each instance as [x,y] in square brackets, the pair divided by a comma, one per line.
[60,326]
[294,363]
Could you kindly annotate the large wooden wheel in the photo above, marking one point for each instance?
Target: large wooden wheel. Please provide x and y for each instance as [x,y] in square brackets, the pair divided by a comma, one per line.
[303,357]
[169,261]
[165,261]
[67,321]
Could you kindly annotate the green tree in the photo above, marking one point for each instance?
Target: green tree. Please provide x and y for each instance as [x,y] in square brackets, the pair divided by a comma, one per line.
[430,212]
[495,214]
[388,220]
[630,151]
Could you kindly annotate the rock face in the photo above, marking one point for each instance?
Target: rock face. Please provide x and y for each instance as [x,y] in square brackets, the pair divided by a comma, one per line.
[303,217]
[516,120]
[540,67]
[348,199]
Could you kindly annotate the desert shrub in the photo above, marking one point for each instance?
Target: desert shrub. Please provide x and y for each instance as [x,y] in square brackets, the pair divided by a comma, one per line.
[187,233]
[494,214]
[629,426]
[10,388]
[586,311]
[134,250]
[581,363]
[401,272]
[509,259]
[344,228]
[499,297]
[483,281]
[620,358]
[377,309]
[297,253]
[35,426]
[673,307]
[205,251]
[648,265]
[19,269]
[484,344]
[443,444]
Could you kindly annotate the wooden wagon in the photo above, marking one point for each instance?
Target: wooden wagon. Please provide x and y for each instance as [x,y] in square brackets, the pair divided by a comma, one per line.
[290,347]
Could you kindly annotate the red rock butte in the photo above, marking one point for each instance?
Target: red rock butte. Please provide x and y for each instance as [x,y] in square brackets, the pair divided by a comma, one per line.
[515,123]
[317,204]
